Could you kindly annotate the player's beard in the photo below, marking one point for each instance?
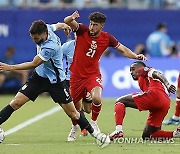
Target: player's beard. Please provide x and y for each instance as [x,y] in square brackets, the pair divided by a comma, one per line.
[94,33]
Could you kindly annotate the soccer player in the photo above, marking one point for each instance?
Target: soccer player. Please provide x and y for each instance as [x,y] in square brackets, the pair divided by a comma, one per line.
[68,53]
[47,77]
[154,98]
[91,42]
[175,119]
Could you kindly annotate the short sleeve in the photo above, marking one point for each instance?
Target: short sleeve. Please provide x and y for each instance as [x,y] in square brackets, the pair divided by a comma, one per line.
[81,29]
[113,42]
[45,54]
[145,71]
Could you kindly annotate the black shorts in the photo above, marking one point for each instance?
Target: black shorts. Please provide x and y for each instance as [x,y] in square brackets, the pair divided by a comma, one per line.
[36,85]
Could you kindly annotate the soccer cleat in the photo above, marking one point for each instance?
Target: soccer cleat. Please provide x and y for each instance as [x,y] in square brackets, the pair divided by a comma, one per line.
[176,134]
[84,132]
[116,134]
[95,126]
[171,121]
[102,140]
[73,133]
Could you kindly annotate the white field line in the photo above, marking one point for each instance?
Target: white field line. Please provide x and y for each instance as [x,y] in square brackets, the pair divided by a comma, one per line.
[32,120]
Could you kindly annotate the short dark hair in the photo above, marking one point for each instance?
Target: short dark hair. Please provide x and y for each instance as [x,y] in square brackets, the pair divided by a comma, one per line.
[97,17]
[38,27]
[160,26]
[140,63]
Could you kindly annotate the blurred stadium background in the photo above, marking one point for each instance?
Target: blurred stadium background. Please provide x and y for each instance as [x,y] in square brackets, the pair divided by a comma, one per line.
[130,21]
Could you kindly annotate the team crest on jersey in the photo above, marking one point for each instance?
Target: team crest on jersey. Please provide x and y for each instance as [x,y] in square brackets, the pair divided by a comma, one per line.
[93,45]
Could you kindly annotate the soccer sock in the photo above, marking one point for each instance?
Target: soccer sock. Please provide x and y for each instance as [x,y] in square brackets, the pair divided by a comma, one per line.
[74,122]
[119,112]
[5,113]
[162,134]
[84,124]
[177,109]
[95,111]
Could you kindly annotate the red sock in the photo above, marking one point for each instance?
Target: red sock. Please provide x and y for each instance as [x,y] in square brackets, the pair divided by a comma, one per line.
[119,112]
[177,110]
[74,122]
[95,111]
[162,134]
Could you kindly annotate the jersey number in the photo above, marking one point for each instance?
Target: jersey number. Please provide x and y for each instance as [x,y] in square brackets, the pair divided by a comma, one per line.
[91,52]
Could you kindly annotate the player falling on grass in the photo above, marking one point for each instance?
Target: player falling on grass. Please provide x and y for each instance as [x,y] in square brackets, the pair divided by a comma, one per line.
[47,77]
[175,119]
[68,53]
[91,42]
[154,98]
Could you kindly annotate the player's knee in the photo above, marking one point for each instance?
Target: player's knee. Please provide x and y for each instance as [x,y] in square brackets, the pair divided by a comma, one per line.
[145,135]
[15,104]
[120,100]
[96,100]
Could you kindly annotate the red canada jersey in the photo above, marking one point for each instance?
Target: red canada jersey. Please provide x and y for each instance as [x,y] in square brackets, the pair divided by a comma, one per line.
[88,51]
[147,82]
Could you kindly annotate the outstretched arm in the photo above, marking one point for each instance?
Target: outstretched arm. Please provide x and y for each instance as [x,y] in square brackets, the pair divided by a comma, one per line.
[71,20]
[23,66]
[128,53]
[63,26]
[158,75]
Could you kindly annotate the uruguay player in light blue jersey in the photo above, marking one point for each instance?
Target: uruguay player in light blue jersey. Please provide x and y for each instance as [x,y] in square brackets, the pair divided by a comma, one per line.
[47,77]
[68,53]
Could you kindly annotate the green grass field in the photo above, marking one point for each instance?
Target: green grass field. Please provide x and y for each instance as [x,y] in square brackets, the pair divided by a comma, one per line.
[48,135]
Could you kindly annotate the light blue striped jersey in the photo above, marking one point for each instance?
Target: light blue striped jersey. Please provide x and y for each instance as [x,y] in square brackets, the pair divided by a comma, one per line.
[47,51]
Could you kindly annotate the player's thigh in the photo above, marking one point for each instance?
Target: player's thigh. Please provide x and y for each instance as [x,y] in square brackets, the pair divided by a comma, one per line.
[59,92]
[127,100]
[34,87]
[157,116]
[96,94]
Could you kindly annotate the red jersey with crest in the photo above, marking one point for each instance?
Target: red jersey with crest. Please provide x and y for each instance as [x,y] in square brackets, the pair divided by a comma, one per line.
[146,81]
[88,51]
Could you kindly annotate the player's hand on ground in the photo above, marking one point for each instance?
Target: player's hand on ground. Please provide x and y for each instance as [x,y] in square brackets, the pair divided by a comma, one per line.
[75,15]
[171,88]
[4,67]
[141,57]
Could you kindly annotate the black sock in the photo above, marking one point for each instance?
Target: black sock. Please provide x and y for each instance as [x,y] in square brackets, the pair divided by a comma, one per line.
[5,113]
[84,124]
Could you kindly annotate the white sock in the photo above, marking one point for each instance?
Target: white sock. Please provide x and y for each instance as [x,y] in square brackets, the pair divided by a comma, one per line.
[95,133]
[175,117]
[119,128]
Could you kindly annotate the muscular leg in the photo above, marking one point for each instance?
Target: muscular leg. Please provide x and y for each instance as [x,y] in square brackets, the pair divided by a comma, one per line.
[151,132]
[96,94]
[19,100]
[127,100]
[119,112]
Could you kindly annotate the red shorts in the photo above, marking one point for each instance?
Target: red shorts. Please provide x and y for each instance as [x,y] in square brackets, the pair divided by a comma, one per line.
[80,86]
[157,102]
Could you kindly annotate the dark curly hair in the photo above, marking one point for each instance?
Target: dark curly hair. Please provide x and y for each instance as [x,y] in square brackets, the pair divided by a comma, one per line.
[97,17]
[38,27]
